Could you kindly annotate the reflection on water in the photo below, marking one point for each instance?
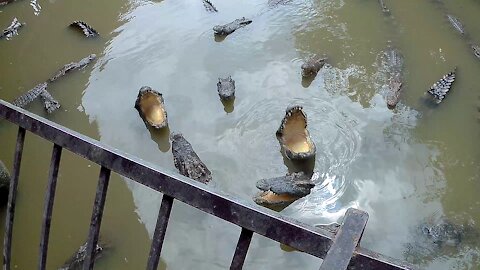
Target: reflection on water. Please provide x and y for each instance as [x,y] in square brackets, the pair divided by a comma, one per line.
[400,165]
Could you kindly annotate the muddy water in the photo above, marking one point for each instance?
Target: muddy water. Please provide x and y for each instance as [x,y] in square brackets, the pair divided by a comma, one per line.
[401,166]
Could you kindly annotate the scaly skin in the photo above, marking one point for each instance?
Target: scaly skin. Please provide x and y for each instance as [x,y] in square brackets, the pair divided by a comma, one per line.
[187,161]
[226,88]
[209,6]
[455,22]
[441,88]
[77,260]
[30,95]
[394,63]
[312,66]
[72,66]
[227,29]
[12,29]
[438,235]
[87,30]
[282,191]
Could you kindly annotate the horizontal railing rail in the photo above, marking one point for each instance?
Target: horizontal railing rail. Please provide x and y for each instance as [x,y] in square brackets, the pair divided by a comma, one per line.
[339,250]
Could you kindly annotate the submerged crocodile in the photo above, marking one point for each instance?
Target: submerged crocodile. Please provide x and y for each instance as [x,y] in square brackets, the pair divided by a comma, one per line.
[87,30]
[435,236]
[312,66]
[282,191]
[151,107]
[293,135]
[40,90]
[441,88]
[384,6]
[227,29]
[226,88]
[4,183]
[476,50]
[12,29]
[209,6]
[72,66]
[77,260]
[187,161]
[455,22]
[394,64]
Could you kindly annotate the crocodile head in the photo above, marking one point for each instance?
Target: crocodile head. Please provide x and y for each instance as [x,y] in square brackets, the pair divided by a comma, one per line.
[151,107]
[311,67]
[293,135]
[226,88]
[393,95]
[282,191]
[229,28]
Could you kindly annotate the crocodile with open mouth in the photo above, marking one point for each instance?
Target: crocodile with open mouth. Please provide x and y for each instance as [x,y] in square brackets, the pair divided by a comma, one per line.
[227,29]
[187,161]
[282,191]
[293,135]
[151,108]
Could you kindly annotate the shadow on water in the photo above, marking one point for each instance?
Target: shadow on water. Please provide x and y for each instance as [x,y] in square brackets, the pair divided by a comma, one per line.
[307,81]
[219,38]
[161,137]
[228,105]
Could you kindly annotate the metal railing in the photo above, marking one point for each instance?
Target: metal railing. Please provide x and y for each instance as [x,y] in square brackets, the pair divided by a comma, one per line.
[338,250]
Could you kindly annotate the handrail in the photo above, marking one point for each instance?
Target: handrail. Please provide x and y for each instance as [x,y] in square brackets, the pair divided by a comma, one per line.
[250,217]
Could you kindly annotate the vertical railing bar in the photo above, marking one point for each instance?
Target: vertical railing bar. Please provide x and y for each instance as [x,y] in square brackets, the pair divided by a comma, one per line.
[96,221]
[346,240]
[160,231]
[242,249]
[48,206]
[12,195]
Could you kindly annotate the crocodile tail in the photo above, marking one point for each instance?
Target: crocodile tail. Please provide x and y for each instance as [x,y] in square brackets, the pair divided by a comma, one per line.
[30,95]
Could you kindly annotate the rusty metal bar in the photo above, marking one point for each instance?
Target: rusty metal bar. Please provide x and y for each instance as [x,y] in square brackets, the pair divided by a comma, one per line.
[48,207]
[97,213]
[12,196]
[303,237]
[346,240]
[160,230]
[241,250]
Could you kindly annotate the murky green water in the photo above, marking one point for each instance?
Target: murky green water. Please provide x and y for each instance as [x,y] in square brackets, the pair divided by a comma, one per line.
[401,166]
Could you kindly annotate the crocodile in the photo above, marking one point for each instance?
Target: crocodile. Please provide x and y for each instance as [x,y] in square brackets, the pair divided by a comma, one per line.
[40,90]
[72,66]
[293,135]
[282,191]
[394,63]
[87,30]
[311,67]
[77,260]
[455,22]
[437,235]
[227,29]
[187,161]
[12,29]
[441,88]
[226,88]
[384,6]
[151,107]
[4,183]
[209,6]
[476,50]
